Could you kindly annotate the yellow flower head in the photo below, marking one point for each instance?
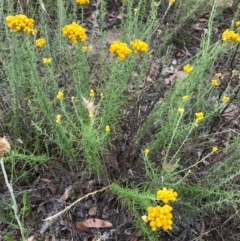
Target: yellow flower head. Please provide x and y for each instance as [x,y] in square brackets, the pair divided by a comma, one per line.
[230,36]
[225,99]
[21,23]
[215,148]
[47,60]
[82,2]
[214,82]
[75,32]
[60,95]
[167,195]
[58,118]
[135,10]
[107,128]
[120,49]
[185,97]
[139,46]
[172,1]
[218,74]
[146,151]
[91,92]
[101,95]
[199,116]
[84,48]
[188,68]
[40,42]
[238,24]
[181,110]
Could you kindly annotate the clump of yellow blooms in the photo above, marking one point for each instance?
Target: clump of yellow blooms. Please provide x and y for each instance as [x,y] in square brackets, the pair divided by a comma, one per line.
[60,95]
[185,97]
[120,49]
[172,1]
[188,68]
[161,216]
[230,36]
[167,195]
[47,60]
[40,42]
[225,98]
[215,148]
[21,22]
[181,110]
[139,46]
[214,82]
[107,128]
[146,151]
[82,2]
[75,32]
[58,118]
[91,92]
[238,24]
[199,116]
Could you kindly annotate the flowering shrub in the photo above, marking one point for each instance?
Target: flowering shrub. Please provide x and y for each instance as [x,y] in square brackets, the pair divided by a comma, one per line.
[40,42]
[161,216]
[139,46]
[120,49]
[74,32]
[21,22]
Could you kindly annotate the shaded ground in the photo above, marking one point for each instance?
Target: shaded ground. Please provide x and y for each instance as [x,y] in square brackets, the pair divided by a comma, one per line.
[55,186]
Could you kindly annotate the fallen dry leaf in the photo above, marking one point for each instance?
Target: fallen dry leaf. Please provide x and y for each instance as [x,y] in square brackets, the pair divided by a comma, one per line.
[30,238]
[82,227]
[96,223]
[92,211]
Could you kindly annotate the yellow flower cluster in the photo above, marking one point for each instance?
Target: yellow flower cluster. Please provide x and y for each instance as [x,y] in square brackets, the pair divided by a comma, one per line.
[167,195]
[214,82]
[74,32]
[199,116]
[47,60]
[58,118]
[60,95]
[188,68]
[120,49]
[91,92]
[238,24]
[21,22]
[230,36]
[40,42]
[185,97]
[172,1]
[82,2]
[161,216]
[139,46]
[107,128]
[181,110]
[225,99]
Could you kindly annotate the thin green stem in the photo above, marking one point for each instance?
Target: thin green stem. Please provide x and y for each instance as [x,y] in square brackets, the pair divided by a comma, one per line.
[14,206]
